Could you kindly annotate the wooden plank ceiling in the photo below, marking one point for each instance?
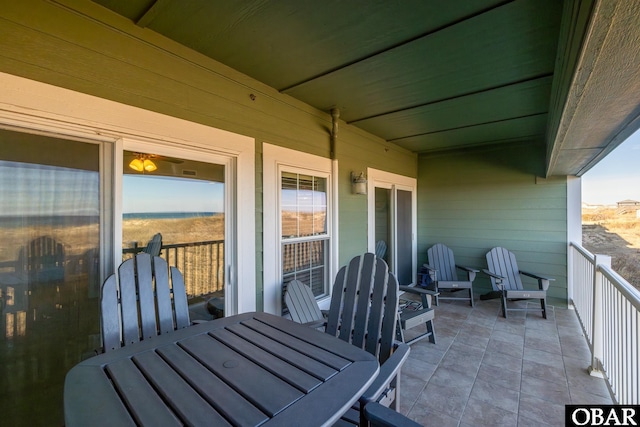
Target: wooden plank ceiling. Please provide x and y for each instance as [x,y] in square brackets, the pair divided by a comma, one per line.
[427,75]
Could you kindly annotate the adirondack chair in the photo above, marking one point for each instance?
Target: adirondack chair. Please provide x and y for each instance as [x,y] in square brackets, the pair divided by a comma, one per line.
[380,416]
[411,315]
[505,278]
[154,246]
[302,305]
[381,248]
[443,267]
[42,261]
[132,309]
[363,312]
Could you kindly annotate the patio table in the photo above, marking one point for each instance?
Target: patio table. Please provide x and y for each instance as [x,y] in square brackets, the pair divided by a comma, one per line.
[249,369]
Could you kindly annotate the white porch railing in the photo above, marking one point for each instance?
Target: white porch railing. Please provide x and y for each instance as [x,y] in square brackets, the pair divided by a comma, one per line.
[609,310]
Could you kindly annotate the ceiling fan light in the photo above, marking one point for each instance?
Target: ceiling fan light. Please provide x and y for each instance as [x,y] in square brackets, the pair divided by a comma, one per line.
[137,165]
[149,166]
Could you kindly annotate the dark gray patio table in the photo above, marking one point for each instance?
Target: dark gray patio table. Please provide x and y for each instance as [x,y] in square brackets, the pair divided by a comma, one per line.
[250,369]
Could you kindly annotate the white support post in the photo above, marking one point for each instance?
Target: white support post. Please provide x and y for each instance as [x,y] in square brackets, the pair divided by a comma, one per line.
[574,227]
[598,323]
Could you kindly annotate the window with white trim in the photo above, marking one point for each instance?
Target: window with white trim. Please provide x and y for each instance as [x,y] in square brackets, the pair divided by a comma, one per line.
[298,223]
[305,236]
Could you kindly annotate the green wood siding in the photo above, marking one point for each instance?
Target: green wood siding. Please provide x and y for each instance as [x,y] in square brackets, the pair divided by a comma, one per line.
[356,154]
[475,200]
[101,54]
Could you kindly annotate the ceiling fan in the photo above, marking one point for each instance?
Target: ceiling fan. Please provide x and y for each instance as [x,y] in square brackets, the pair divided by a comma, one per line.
[144,162]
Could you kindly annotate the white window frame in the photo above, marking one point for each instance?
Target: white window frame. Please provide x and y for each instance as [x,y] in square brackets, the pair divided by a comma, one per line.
[393,182]
[276,160]
[35,107]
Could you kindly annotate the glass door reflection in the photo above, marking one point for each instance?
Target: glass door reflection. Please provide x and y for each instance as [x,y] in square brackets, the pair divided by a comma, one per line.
[181,202]
[49,270]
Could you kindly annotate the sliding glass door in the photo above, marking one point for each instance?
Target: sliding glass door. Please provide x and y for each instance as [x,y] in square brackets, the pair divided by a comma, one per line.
[175,207]
[404,237]
[392,222]
[49,270]
[65,222]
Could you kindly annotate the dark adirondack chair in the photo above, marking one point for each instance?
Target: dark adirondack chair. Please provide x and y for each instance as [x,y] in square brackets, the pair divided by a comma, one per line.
[154,246]
[505,279]
[363,312]
[443,268]
[42,261]
[302,305]
[380,416]
[412,314]
[133,309]
[381,248]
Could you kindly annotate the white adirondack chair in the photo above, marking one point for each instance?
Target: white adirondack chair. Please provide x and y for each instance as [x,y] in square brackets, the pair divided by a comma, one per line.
[132,309]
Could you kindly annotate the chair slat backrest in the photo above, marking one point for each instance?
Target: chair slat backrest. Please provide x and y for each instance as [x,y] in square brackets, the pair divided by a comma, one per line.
[144,286]
[364,305]
[502,262]
[441,258]
[110,314]
[139,302]
[180,304]
[154,246]
[381,248]
[301,303]
[128,302]
[42,260]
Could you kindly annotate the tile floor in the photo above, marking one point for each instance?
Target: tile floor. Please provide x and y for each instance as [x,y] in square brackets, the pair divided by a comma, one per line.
[489,371]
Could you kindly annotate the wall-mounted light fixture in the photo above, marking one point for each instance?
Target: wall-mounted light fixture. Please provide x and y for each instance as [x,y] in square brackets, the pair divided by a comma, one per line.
[358,183]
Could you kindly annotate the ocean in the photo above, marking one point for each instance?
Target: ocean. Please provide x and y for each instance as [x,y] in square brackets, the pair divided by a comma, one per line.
[80,220]
[168,215]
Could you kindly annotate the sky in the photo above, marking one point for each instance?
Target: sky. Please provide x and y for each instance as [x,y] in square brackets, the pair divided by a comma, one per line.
[149,193]
[32,189]
[616,177]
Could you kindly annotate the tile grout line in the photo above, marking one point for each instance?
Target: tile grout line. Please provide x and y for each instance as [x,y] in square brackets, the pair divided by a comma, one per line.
[475,377]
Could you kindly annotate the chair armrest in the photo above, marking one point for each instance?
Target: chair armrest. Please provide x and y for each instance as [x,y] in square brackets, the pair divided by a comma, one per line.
[536,276]
[316,323]
[381,416]
[425,294]
[462,267]
[494,275]
[498,277]
[471,272]
[418,291]
[429,271]
[543,281]
[428,267]
[387,373]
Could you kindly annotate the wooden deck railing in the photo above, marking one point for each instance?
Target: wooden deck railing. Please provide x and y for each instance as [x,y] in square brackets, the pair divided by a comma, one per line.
[201,264]
[609,311]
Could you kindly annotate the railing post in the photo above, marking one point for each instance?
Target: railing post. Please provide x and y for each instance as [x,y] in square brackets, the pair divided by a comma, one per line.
[570,276]
[598,318]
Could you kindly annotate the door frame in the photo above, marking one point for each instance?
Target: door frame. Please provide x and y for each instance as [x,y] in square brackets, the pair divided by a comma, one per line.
[35,107]
[393,182]
[230,214]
